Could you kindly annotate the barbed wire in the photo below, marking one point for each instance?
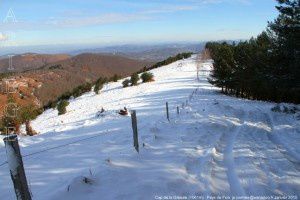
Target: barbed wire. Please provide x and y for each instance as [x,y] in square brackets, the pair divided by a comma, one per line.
[84,139]
[57,147]
[4,163]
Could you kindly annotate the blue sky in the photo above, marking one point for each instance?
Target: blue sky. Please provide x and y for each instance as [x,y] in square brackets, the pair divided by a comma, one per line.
[106,22]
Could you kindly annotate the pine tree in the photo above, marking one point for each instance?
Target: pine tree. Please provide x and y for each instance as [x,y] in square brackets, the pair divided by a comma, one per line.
[266,67]
[285,31]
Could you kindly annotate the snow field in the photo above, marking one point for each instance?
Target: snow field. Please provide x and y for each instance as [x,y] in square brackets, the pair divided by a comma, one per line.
[218,145]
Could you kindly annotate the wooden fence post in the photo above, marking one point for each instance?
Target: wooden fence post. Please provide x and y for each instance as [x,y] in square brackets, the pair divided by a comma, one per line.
[135,131]
[177,110]
[16,167]
[167,109]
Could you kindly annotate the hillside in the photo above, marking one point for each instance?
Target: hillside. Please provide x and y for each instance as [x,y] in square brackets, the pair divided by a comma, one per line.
[217,145]
[29,61]
[81,69]
[153,53]
[58,77]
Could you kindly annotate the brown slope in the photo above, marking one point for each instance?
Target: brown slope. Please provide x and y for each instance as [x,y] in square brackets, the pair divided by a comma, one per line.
[39,87]
[80,69]
[43,85]
[30,61]
[106,65]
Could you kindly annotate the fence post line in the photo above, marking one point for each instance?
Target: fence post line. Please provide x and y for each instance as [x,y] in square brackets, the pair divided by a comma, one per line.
[16,167]
[167,110]
[177,110]
[135,131]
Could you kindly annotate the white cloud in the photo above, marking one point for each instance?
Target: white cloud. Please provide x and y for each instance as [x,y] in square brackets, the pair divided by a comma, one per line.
[110,18]
[146,12]
[101,19]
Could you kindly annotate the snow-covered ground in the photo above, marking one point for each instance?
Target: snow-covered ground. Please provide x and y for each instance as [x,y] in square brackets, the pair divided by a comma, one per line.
[218,145]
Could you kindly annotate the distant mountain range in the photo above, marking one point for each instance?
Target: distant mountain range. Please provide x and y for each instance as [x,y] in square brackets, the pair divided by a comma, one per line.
[145,52]
[142,52]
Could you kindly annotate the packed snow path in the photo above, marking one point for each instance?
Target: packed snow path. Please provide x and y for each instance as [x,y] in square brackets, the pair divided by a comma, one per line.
[218,145]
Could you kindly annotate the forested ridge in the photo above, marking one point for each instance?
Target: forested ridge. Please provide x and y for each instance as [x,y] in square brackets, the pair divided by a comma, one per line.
[266,67]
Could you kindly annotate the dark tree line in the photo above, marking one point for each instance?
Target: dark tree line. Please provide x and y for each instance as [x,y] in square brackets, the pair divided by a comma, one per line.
[172,59]
[266,67]
[168,61]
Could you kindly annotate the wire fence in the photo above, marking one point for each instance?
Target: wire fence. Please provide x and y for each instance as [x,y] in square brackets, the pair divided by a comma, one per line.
[86,139]
[4,163]
[57,147]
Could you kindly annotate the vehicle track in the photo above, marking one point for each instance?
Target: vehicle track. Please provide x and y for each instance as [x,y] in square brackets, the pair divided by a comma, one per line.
[282,148]
[251,163]
[272,161]
[224,177]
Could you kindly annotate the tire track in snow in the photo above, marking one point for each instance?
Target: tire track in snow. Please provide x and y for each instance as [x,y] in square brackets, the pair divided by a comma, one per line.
[200,143]
[200,167]
[256,177]
[282,148]
[272,161]
[200,164]
[235,185]
[225,159]
[263,166]
[224,170]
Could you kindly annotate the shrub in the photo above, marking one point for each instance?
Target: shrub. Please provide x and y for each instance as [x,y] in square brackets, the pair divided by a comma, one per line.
[13,124]
[28,113]
[115,78]
[98,86]
[126,83]
[134,79]
[65,96]
[59,66]
[10,119]
[78,91]
[62,107]
[147,77]
[50,104]
[29,129]
[105,80]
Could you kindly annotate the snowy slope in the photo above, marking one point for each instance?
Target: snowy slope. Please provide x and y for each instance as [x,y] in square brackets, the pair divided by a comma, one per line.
[218,145]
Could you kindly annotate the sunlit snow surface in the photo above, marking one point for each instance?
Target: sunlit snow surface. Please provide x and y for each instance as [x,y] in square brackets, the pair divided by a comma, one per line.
[218,145]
